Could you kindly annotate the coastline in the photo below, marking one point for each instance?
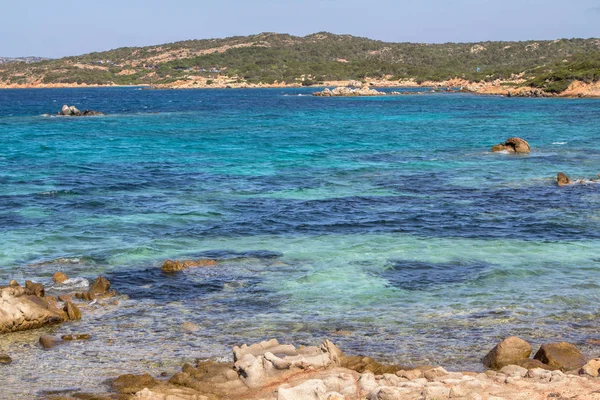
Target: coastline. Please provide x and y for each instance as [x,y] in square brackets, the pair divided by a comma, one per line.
[509,88]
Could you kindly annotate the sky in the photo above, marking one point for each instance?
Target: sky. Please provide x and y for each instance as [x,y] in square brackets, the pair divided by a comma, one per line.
[57,29]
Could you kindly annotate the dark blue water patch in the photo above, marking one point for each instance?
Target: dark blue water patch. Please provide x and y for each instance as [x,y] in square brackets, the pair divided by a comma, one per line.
[152,283]
[193,283]
[231,255]
[419,275]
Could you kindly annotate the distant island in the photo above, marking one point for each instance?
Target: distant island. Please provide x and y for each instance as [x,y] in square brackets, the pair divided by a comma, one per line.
[27,60]
[565,67]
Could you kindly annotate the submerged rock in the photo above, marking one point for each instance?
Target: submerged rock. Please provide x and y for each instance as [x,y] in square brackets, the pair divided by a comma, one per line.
[513,145]
[79,336]
[47,342]
[562,355]
[510,351]
[176,265]
[27,308]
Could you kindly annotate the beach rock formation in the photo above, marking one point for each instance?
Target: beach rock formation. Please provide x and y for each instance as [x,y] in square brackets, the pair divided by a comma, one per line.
[5,359]
[176,265]
[345,91]
[72,111]
[510,351]
[273,371]
[563,356]
[23,308]
[513,145]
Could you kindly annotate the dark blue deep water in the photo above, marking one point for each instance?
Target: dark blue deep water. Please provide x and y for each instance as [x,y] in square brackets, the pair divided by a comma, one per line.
[387,218]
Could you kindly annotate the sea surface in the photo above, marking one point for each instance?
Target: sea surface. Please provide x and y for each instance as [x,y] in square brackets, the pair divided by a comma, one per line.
[384,224]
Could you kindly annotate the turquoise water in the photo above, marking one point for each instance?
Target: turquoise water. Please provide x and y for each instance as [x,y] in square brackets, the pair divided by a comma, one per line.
[385,218]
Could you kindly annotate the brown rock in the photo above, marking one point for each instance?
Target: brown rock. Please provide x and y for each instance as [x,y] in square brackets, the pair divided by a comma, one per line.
[562,355]
[5,359]
[65,298]
[511,350]
[513,145]
[59,277]
[562,179]
[362,364]
[13,283]
[47,342]
[190,327]
[172,266]
[81,336]
[532,364]
[85,296]
[72,311]
[36,289]
[100,286]
[129,384]
[176,265]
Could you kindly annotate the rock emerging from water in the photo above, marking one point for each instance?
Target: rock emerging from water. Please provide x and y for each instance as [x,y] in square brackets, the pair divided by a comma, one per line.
[23,308]
[510,351]
[562,179]
[513,145]
[72,111]
[344,91]
[59,277]
[562,355]
[5,359]
[170,266]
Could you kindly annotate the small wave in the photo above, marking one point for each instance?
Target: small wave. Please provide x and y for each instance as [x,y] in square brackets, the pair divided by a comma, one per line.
[559,143]
[72,284]
[61,260]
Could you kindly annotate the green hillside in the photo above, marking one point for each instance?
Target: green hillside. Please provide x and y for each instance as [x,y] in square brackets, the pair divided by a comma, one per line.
[270,57]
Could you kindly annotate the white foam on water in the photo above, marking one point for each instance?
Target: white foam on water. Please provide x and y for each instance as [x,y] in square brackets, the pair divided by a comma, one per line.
[559,143]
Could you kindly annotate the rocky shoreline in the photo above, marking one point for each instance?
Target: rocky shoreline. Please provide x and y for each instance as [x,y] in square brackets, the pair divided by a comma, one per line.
[271,370]
[509,88]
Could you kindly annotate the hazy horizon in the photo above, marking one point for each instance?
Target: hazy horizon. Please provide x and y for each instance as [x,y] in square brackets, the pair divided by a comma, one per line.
[42,30]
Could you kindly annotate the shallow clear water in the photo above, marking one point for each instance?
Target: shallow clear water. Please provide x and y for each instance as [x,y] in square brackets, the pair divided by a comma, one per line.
[387,218]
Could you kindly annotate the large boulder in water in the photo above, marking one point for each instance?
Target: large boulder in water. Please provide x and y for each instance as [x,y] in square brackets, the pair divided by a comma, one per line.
[510,351]
[22,309]
[563,356]
[562,179]
[513,145]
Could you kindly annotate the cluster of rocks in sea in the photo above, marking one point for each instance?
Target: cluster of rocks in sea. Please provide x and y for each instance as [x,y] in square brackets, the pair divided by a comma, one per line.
[28,307]
[72,111]
[517,145]
[351,91]
[270,370]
